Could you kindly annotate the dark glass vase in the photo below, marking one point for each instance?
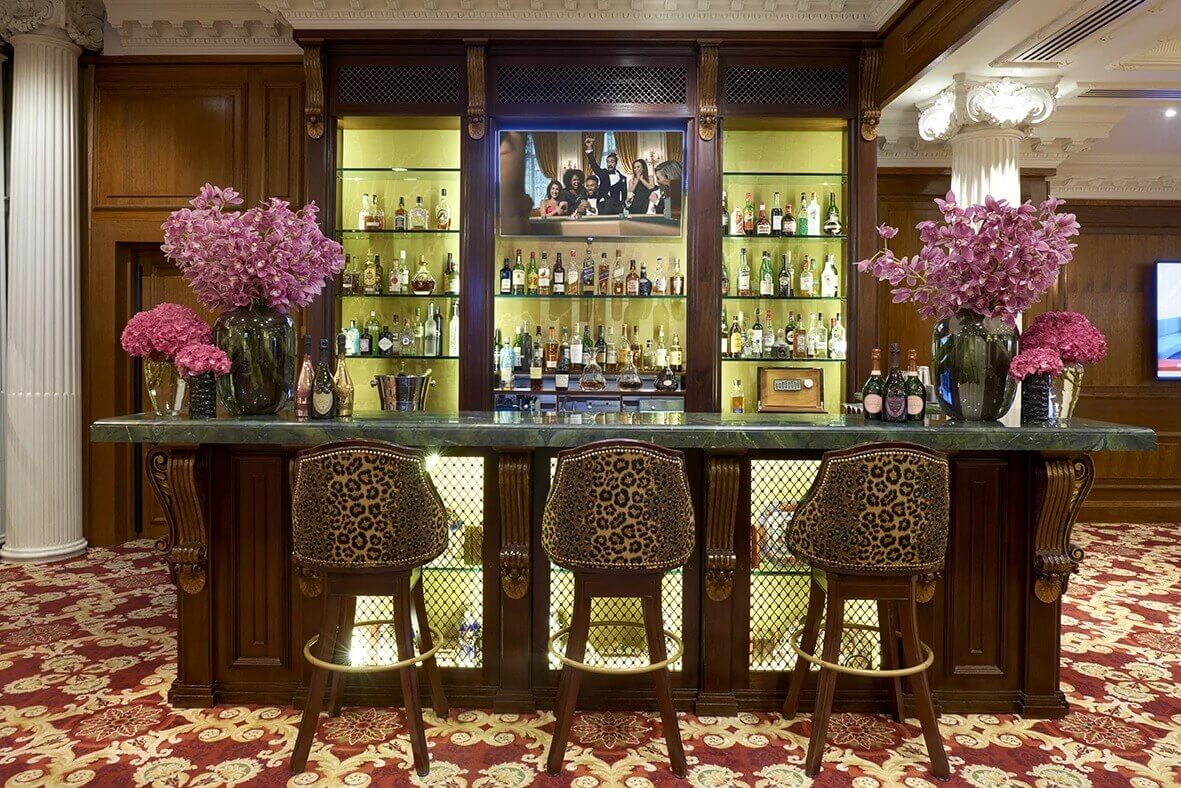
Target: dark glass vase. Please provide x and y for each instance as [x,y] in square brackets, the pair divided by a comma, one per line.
[1035,399]
[971,356]
[260,342]
[203,396]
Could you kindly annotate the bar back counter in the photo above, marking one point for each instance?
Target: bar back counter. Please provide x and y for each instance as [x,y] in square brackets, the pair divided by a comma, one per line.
[993,620]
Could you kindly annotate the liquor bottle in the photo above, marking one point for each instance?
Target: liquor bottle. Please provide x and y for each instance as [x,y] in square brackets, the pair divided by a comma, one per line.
[748,215]
[802,215]
[576,350]
[506,278]
[829,278]
[737,398]
[807,280]
[725,335]
[365,343]
[659,282]
[588,271]
[725,279]
[423,284]
[438,331]
[369,282]
[385,342]
[342,384]
[763,226]
[592,378]
[814,225]
[562,370]
[451,275]
[453,330]
[629,376]
[736,337]
[419,335]
[725,213]
[785,289]
[550,351]
[604,275]
[519,276]
[766,276]
[916,392]
[406,346]
[832,224]
[756,339]
[619,276]
[352,339]
[666,380]
[743,274]
[736,225]
[676,355]
[894,390]
[821,337]
[789,221]
[418,215]
[776,217]
[403,274]
[661,355]
[507,366]
[677,280]
[376,218]
[644,284]
[589,351]
[373,329]
[430,338]
[323,404]
[632,282]
[400,217]
[600,348]
[611,357]
[838,339]
[303,385]
[395,280]
[532,277]
[636,344]
[559,275]
[518,350]
[348,279]
[442,212]
[536,382]
[871,392]
[363,214]
[800,343]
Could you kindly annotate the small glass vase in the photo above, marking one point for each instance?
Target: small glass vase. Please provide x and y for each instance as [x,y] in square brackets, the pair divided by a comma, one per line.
[203,396]
[970,360]
[166,388]
[1064,391]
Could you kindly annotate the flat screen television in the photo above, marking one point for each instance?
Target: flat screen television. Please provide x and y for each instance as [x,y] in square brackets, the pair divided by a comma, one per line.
[602,184]
[1168,320]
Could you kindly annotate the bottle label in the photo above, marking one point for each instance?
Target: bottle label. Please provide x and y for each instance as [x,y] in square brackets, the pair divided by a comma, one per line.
[743,283]
[385,343]
[914,405]
[895,408]
[873,403]
[776,224]
[322,402]
[561,381]
[518,278]
[576,354]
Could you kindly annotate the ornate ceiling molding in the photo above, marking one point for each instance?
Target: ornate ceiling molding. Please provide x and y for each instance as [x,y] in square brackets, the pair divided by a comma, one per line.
[217,27]
[1164,56]
[80,20]
[986,102]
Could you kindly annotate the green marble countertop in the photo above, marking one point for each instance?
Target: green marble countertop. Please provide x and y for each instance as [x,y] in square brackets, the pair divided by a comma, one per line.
[675,430]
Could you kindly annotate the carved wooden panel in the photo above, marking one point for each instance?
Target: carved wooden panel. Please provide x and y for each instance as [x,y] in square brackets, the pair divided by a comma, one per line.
[280,144]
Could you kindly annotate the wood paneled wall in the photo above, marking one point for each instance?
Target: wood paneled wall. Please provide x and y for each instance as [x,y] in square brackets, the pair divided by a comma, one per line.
[157,132]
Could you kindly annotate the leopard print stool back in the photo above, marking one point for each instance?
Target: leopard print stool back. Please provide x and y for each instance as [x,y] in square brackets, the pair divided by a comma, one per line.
[878,508]
[619,504]
[365,505]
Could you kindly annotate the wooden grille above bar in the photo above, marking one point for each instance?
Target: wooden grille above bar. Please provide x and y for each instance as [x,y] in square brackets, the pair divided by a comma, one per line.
[415,85]
[767,86]
[599,85]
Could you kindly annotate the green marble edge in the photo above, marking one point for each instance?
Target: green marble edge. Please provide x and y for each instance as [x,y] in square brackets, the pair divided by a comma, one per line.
[698,431]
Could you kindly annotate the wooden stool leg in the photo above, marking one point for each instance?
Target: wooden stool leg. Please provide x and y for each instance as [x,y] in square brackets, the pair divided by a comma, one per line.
[654,625]
[922,691]
[430,666]
[834,625]
[405,635]
[311,710]
[888,631]
[807,643]
[344,641]
[568,685]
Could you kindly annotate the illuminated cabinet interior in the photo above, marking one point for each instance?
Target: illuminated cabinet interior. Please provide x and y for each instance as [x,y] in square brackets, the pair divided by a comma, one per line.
[398,161]
[795,159]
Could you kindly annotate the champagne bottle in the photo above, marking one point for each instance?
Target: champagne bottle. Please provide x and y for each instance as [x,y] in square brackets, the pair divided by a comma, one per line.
[303,388]
[871,392]
[323,405]
[342,384]
[916,392]
[894,390]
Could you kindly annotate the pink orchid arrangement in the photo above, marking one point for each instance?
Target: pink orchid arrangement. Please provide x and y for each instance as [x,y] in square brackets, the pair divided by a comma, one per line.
[159,333]
[1035,361]
[993,259]
[268,254]
[200,358]
[1068,334]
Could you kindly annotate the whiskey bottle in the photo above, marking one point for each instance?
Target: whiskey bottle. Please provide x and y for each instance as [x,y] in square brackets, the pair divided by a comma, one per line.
[737,398]
[800,342]
[659,282]
[559,276]
[632,282]
[618,276]
[536,381]
[506,278]
[785,289]
[802,216]
[648,357]
[519,276]
[451,276]
[645,284]
[832,224]
[736,337]
[418,215]
[611,354]
[550,351]
[776,217]
[400,217]
[748,215]
[677,280]
[562,370]
[442,212]
[588,271]
[763,227]
[375,218]
[661,356]
[916,392]
[369,282]
[871,392]
[766,277]
[363,214]
[894,390]
[342,384]
[676,355]
[323,403]
[303,385]
[789,221]
[604,275]
[743,274]
[829,278]
[589,351]
[821,337]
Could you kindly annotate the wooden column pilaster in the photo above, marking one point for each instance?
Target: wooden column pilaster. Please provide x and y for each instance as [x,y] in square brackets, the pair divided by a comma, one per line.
[515,473]
[723,486]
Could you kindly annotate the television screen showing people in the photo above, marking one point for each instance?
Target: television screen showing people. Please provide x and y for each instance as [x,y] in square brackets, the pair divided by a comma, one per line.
[591,183]
[1168,320]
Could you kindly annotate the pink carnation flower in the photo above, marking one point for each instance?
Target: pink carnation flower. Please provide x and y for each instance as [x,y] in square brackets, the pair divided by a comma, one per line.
[159,333]
[1035,361]
[1070,334]
[199,358]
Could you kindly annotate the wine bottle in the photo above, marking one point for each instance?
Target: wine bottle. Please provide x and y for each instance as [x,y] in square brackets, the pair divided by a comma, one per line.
[871,392]
[916,392]
[894,390]
[323,405]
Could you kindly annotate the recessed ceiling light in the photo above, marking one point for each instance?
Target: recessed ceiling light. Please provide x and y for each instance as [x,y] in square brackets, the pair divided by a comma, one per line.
[1170,112]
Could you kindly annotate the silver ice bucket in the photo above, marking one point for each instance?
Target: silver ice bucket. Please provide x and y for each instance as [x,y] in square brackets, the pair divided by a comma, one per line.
[403,391]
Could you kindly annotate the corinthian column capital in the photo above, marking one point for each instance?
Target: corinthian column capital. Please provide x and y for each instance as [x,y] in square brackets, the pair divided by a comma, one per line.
[975,103]
[81,21]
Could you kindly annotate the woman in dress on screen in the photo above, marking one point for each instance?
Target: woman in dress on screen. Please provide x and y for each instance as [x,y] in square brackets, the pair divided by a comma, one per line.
[553,205]
[575,189]
[639,187]
[666,199]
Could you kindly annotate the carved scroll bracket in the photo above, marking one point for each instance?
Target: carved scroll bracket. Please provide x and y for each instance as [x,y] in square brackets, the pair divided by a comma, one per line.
[723,477]
[477,103]
[313,106]
[1063,483]
[515,496]
[870,112]
[707,91]
[177,476]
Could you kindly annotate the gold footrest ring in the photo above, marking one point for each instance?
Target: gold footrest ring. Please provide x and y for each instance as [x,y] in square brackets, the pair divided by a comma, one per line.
[678,651]
[319,663]
[794,636]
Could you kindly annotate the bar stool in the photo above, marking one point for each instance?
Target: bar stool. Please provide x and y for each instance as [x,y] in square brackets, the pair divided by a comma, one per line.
[366,518]
[618,517]
[872,526]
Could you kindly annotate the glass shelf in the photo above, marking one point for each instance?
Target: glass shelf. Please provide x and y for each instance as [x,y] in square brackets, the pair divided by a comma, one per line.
[394,173]
[772,174]
[755,239]
[402,357]
[410,296]
[574,391]
[588,297]
[769,360]
[404,233]
[781,298]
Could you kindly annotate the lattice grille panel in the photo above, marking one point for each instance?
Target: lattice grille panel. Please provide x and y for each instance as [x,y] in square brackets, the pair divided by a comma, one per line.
[779,582]
[453,583]
[592,85]
[812,86]
[390,84]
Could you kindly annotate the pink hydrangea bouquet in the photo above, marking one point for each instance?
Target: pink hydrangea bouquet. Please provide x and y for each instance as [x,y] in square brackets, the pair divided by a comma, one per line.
[995,259]
[200,358]
[1068,334]
[1035,361]
[267,254]
[158,334]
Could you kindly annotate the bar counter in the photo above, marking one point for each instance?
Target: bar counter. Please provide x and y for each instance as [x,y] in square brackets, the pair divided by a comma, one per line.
[993,621]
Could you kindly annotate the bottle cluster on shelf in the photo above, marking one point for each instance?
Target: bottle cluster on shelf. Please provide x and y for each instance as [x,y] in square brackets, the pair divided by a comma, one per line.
[423,336]
[371,280]
[782,284]
[576,353]
[571,278]
[782,222]
[372,216]
[799,337]
[898,397]
[319,392]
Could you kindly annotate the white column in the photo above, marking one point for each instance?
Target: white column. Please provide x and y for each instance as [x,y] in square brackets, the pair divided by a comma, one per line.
[986,162]
[3,284]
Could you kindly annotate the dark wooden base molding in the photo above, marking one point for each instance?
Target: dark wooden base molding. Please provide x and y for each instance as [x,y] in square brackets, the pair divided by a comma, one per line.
[720,704]
[1063,484]
[514,702]
[191,696]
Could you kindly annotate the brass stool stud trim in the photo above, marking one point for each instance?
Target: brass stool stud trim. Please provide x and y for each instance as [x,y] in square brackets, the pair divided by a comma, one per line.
[319,663]
[678,651]
[794,641]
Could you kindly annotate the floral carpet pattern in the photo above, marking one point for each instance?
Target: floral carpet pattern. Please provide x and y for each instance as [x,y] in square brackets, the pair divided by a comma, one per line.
[87,654]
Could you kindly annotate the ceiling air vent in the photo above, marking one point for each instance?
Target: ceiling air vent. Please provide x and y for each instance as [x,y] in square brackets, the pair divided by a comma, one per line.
[1144,94]
[1049,48]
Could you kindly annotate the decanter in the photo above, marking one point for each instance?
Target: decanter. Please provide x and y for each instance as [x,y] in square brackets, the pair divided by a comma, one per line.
[422,283]
[592,377]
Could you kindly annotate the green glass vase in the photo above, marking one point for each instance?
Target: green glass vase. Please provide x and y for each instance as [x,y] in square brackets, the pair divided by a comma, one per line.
[970,356]
[260,342]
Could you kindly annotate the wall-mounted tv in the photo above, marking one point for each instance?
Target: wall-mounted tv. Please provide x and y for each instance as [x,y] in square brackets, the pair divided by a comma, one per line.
[603,184]
[1168,320]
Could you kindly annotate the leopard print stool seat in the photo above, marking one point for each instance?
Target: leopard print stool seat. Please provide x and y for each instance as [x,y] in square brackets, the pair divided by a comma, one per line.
[873,526]
[619,515]
[365,518]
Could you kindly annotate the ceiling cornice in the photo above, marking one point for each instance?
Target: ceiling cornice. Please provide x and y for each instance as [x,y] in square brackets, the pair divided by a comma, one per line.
[182,27]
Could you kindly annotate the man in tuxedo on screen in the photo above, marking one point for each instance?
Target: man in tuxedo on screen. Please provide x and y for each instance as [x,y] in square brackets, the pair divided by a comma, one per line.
[612,182]
[596,203]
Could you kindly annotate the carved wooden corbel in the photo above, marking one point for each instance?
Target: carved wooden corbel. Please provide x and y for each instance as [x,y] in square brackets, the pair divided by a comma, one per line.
[177,476]
[477,112]
[723,477]
[515,496]
[871,113]
[1063,484]
[707,91]
[313,91]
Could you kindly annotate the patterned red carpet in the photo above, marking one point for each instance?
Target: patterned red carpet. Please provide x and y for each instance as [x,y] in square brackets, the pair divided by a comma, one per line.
[86,656]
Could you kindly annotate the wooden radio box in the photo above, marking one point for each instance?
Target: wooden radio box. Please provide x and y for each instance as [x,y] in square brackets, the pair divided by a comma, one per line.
[792,390]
